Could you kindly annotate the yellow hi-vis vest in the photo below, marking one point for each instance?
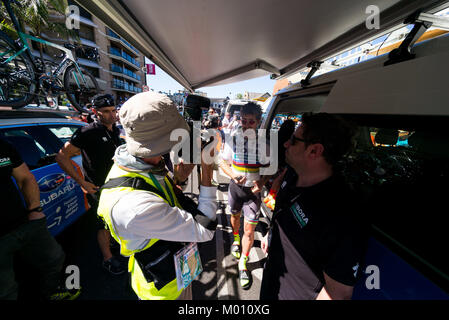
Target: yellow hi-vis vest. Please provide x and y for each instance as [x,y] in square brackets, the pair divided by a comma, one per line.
[109,197]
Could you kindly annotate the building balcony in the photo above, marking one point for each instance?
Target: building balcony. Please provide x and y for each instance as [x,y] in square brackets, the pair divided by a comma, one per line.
[62,18]
[88,63]
[115,53]
[123,72]
[117,39]
[102,84]
[119,85]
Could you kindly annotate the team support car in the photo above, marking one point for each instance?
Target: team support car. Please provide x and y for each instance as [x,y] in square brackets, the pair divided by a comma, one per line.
[38,136]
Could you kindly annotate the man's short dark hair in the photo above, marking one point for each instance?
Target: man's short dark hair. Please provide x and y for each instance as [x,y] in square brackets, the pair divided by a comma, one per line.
[252,108]
[333,132]
[103,100]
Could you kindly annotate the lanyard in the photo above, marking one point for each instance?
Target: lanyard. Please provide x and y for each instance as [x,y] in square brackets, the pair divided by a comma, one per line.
[158,185]
[110,138]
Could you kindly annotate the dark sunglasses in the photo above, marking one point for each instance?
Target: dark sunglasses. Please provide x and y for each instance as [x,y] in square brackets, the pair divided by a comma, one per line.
[293,139]
[251,122]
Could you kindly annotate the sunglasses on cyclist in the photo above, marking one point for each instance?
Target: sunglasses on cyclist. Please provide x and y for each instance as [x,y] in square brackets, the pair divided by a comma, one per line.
[293,139]
[250,122]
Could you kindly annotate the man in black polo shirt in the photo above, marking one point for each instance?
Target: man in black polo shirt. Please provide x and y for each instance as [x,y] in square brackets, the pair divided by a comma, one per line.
[97,143]
[318,237]
[24,233]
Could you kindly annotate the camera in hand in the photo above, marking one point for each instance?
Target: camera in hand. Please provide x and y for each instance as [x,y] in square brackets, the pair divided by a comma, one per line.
[193,107]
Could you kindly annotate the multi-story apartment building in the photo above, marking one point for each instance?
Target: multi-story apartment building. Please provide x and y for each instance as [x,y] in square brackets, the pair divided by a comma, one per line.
[119,69]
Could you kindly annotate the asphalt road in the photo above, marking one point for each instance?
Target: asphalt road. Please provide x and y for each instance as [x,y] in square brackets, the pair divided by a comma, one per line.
[218,281]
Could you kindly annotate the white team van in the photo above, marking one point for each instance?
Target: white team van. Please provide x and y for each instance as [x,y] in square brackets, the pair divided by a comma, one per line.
[400,165]
[398,101]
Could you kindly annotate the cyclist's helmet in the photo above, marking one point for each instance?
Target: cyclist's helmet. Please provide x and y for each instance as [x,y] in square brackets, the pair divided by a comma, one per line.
[103,100]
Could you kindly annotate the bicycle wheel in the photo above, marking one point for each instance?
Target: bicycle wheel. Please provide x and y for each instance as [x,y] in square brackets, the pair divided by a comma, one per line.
[79,91]
[51,88]
[17,76]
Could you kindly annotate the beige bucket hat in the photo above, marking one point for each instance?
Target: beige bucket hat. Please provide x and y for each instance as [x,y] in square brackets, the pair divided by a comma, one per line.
[148,119]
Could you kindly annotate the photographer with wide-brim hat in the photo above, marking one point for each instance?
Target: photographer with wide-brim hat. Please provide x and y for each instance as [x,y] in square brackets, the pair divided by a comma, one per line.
[147,214]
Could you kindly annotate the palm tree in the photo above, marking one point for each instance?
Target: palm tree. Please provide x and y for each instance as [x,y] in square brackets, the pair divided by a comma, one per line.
[40,16]
[36,15]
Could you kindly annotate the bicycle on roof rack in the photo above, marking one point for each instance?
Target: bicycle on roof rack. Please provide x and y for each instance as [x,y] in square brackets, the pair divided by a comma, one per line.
[23,77]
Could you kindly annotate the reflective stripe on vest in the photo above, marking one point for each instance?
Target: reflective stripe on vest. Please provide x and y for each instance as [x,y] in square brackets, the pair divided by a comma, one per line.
[108,199]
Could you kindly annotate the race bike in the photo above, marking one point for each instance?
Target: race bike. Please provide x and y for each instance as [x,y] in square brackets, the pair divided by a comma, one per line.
[24,78]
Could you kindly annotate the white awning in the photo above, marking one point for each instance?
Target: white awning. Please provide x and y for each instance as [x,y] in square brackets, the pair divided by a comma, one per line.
[201,43]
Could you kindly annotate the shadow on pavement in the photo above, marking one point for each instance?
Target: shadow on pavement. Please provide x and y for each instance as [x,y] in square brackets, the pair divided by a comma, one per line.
[79,242]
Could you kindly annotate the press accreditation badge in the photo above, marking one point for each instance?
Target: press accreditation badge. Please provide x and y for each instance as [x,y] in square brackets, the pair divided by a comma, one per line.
[188,265]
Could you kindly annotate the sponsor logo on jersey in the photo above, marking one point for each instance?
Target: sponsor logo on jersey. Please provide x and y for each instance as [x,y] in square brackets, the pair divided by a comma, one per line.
[5,162]
[299,215]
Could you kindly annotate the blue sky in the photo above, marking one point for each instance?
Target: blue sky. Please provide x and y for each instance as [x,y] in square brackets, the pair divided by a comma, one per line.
[161,81]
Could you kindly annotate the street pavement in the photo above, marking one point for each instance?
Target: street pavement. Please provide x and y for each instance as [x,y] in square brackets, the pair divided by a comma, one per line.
[218,281]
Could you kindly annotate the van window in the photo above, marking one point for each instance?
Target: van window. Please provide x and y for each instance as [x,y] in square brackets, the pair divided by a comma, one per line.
[400,169]
[280,118]
[402,140]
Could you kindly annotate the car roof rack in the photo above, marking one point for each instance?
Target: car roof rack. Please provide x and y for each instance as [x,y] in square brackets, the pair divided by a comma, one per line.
[422,22]
[13,114]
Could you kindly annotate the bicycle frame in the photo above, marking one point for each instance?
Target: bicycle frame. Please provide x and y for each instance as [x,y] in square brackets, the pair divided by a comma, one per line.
[68,55]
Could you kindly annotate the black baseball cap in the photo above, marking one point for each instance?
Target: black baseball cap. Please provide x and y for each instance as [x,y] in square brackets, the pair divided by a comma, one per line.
[103,100]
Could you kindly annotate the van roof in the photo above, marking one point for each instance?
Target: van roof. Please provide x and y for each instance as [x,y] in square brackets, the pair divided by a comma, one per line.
[201,43]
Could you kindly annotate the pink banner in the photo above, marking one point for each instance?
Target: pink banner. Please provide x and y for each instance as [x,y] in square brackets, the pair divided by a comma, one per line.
[151,68]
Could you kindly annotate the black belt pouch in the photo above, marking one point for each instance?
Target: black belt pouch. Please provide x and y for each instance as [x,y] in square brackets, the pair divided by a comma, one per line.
[157,262]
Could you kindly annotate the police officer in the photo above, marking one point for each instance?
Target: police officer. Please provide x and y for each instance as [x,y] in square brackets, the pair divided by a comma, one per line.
[97,143]
[146,214]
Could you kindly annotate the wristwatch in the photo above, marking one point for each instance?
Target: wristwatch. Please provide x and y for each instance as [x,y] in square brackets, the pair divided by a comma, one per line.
[38,209]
